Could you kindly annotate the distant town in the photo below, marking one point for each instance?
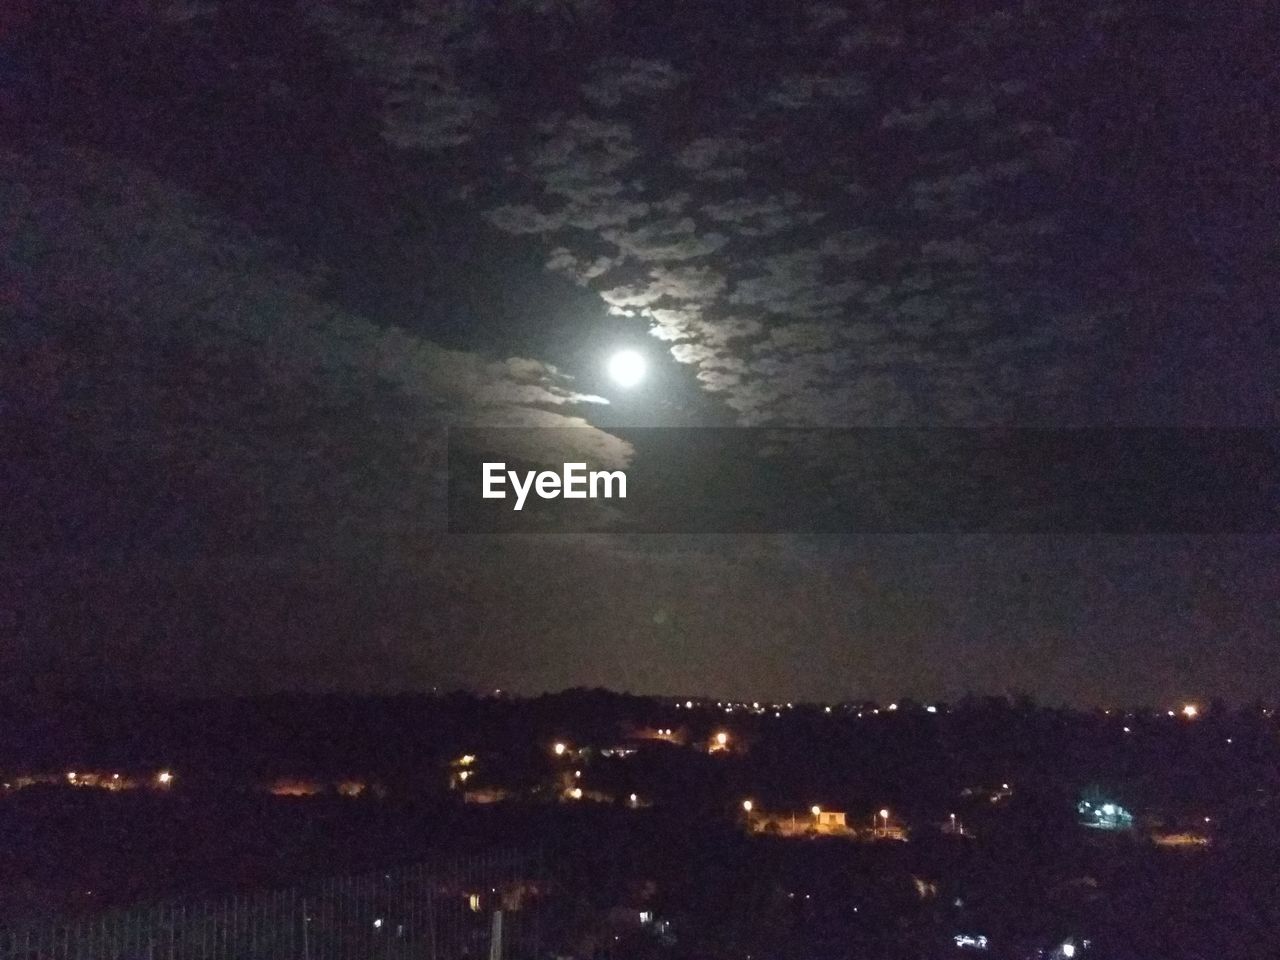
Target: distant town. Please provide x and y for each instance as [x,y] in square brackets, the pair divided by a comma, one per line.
[989,824]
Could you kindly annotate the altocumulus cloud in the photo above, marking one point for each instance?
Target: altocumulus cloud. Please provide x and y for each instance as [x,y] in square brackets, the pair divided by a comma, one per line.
[775,215]
[941,223]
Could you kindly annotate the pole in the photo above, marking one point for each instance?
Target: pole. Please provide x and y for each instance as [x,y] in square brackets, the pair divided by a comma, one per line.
[495,937]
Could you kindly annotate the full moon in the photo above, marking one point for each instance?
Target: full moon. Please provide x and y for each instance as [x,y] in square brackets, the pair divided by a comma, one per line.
[626,367]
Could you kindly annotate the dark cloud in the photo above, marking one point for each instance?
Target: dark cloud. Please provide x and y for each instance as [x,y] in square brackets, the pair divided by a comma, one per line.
[828,213]
[817,206]
[155,338]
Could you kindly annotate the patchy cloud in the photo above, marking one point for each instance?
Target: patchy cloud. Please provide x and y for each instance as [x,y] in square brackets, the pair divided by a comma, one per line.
[790,261]
[622,79]
[814,207]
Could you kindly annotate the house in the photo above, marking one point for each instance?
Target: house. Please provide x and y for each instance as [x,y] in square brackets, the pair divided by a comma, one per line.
[831,821]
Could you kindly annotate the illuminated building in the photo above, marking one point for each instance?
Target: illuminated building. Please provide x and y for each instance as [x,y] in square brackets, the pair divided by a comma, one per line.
[1099,813]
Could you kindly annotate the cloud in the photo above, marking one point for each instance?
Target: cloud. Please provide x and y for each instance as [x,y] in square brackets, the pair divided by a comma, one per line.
[793,284]
[424,103]
[799,90]
[525,218]
[619,79]
[715,158]
[578,156]
[668,239]
[758,218]
[183,357]
[688,282]
[835,230]
[922,114]
[580,269]
[674,324]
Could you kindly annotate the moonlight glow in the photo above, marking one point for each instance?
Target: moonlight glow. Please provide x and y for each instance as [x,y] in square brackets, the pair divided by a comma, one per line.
[627,368]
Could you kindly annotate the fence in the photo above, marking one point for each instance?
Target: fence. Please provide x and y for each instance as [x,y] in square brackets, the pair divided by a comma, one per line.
[445,910]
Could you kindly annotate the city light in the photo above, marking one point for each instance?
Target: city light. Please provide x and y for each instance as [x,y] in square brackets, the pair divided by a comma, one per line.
[267,315]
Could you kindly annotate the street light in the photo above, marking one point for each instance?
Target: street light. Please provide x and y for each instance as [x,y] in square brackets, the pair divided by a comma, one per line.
[815,810]
[559,749]
[747,805]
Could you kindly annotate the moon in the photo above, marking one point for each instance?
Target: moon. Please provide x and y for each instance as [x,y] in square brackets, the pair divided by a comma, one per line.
[627,368]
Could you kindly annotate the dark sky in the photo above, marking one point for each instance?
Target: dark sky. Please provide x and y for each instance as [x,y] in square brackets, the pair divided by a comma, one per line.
[256,257]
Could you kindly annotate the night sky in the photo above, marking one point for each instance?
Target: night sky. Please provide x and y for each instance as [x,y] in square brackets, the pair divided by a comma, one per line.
[256,258]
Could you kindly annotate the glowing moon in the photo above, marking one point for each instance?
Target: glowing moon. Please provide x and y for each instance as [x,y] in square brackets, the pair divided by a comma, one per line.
[627,368]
